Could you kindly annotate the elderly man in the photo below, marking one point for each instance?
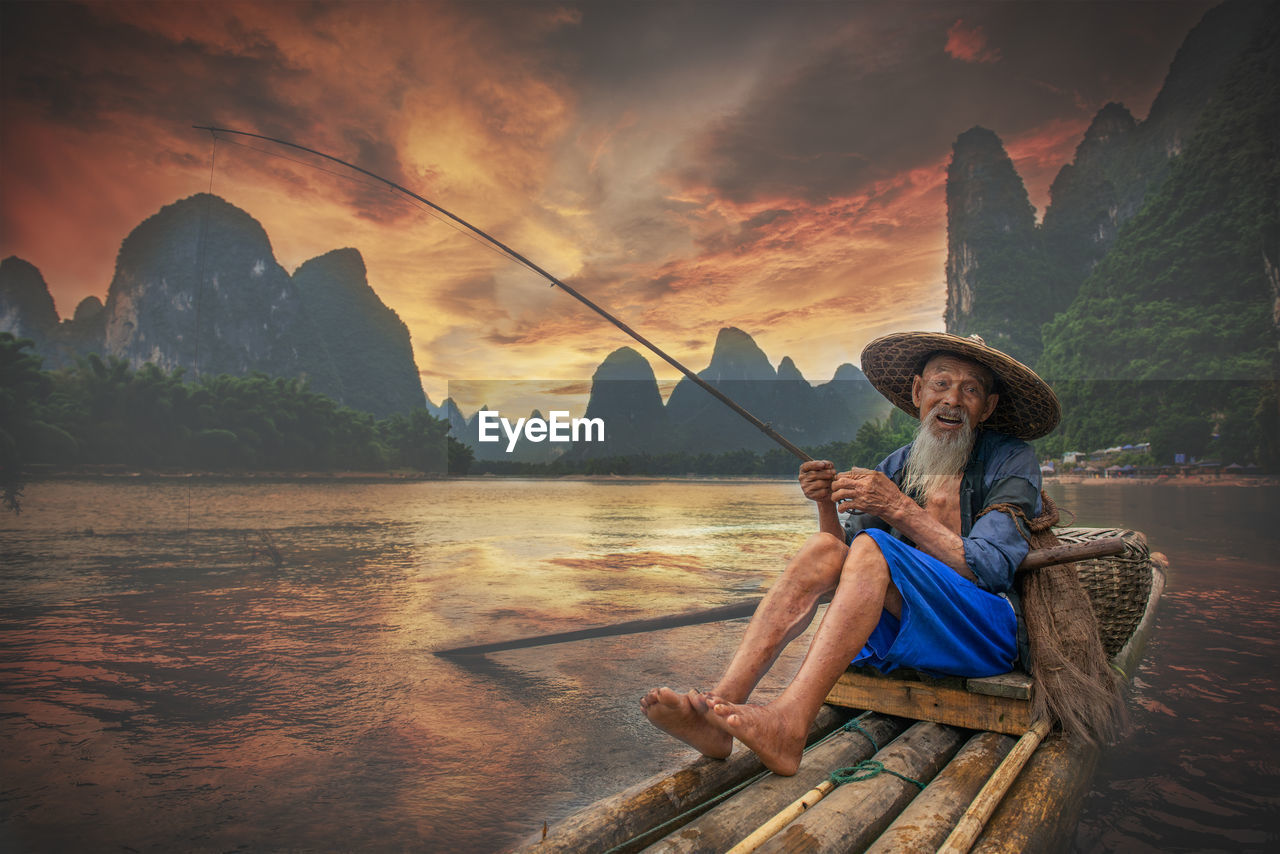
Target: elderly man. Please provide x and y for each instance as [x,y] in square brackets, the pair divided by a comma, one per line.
[920,577]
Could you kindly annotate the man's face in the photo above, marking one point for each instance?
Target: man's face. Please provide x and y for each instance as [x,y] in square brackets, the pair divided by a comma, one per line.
[950,392]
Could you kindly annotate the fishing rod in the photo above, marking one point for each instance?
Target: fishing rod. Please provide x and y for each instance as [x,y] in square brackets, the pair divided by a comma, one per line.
[762,426]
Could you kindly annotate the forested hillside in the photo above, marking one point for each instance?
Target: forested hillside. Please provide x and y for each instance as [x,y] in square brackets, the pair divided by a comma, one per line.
[1174,332]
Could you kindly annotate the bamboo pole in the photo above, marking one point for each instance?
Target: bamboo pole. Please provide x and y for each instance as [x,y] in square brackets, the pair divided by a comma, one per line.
[724,825]
[625,821]
[851,817]
[1041,809]
[975,818]
[932,814]
[766,831]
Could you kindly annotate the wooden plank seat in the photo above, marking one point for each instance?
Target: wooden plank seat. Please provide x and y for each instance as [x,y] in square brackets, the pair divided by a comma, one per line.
[996,703]
[1118,587]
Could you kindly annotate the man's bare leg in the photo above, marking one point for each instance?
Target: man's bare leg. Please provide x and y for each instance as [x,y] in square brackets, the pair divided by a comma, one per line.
[783,615]
[776,732]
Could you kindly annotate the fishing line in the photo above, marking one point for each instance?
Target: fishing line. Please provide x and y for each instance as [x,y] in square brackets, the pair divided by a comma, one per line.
[391,191]
[202,258]
[352,178]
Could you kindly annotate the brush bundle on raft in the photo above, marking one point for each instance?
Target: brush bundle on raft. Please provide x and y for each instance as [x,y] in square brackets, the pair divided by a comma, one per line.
[1074,684]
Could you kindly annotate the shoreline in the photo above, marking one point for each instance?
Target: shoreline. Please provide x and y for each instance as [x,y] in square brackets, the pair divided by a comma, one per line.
[1172,480]
[124,473]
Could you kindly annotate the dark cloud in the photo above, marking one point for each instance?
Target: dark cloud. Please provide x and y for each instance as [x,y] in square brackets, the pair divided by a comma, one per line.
[495,337]
[80,64]
[629,51]
[625,285]
[888,97]
[467,295]
[378,155]
[768,217]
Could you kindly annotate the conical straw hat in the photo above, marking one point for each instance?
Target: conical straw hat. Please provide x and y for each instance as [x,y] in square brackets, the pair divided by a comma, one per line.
[1028,408]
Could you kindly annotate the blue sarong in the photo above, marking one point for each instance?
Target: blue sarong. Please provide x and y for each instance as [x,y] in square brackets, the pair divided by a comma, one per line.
[949,624]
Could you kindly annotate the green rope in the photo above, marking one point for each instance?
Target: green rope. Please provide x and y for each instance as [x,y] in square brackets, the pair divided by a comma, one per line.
[852,725]
[865,770]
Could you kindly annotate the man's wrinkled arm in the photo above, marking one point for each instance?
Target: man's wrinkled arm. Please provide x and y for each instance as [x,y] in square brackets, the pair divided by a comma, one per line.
[829,519]
[858,521]
[815,482]
[873,492]
[997,543]
[988,556]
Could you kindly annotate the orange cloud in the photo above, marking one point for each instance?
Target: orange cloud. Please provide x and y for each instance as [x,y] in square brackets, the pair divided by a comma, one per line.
[1040,154]
[969,44]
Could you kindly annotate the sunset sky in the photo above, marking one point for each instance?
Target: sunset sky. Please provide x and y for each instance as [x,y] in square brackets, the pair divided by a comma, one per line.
[690,165]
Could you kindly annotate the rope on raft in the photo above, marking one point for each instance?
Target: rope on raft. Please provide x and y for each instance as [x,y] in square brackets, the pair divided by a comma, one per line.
[866,770]
[853,726]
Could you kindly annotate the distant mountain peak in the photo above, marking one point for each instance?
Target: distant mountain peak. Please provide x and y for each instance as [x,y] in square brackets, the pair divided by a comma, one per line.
[729,336]
[847,373]
[736,356]
[346,261]
[787,370]
[26,306]
[989,221]
[88,308]
[624,364]
[979,139]
[1111,117]
[201,219]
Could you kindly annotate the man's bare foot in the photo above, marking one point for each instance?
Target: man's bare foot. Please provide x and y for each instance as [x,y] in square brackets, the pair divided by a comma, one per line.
[768,731]
[686,716]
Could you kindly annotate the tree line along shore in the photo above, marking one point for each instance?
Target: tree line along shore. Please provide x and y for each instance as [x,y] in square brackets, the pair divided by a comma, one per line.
[100,417]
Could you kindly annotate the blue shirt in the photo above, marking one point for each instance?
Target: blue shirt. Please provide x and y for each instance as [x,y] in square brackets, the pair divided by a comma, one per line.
[1001,470]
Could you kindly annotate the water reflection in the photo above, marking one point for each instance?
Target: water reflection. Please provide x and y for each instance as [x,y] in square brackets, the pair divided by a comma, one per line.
[1199,770]
[165,685]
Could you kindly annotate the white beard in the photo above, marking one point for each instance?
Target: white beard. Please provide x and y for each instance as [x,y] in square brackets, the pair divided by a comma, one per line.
[935,457]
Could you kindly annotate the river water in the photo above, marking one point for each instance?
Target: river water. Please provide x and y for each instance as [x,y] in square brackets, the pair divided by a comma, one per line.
[165,685]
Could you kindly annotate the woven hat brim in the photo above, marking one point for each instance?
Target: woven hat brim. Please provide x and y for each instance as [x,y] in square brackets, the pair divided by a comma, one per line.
[1027,409]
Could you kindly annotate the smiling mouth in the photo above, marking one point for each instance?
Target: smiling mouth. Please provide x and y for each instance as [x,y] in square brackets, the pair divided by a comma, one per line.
[948,419]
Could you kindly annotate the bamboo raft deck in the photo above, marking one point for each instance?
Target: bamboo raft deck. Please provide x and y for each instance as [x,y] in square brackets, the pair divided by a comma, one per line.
[949,734]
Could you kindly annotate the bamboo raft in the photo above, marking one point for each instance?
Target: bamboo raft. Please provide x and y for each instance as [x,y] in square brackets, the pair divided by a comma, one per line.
[942,782]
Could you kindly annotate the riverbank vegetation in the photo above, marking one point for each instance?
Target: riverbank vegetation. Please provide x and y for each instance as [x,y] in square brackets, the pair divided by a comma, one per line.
[103,412]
